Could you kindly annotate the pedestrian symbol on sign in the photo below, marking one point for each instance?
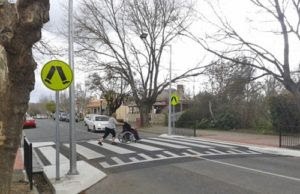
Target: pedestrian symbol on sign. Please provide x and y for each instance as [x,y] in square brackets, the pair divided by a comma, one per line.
[174,99]
[60,72]
[57,75]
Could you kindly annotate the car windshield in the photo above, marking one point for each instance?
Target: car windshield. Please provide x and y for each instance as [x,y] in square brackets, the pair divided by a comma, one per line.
[101,118]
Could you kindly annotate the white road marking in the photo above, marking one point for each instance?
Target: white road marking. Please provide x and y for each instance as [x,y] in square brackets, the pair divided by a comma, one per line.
[161,156]
[186,154]
[171,153]
[251,169]
[105,164]
[194,152]
[133,159]
[144,147]
[194,140]
[209,153]
[117,160]
[145,156]
[164,144]
[238,151]
[112,148]
[50,154]
[86,152]
[217,151]
[182,142]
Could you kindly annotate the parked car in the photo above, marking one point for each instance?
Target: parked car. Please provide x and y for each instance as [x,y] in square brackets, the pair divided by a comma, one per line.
[87,117]
[29,122]
[97,122]
[41,116]
[68,118]
[62,116]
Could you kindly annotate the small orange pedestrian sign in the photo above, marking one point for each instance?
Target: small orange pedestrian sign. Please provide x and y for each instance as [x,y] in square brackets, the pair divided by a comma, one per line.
[174,99]
[57,75]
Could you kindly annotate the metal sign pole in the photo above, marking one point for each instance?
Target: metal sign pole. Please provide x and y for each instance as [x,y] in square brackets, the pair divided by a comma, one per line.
[170,87]
[57,139]
[73,165]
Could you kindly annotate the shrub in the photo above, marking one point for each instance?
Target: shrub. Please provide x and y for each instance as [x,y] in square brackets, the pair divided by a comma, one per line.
[227,120]
[285,114]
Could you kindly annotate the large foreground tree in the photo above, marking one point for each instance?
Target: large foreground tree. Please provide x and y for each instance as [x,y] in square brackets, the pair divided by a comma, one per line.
[20,28]
[109,31]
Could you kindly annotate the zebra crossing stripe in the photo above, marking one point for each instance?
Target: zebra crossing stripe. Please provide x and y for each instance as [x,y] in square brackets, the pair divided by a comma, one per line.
[164,144]
[145,156]
[182,143]
[133,159]
[238,151]
[194,140]
[231,152]
[86,152]
[171,154]
[117,160]
[50,154]
[161,156]
[145,147]
[186,154]
[105,164]
[194,152]
[112,148]
[217,151]
[251,152]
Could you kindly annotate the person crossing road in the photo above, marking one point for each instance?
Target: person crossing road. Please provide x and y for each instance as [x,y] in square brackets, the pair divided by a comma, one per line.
[110,129]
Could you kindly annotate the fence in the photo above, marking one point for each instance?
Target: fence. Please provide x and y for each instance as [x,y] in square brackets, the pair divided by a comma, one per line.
[190,130]
[28,160]
[289,136]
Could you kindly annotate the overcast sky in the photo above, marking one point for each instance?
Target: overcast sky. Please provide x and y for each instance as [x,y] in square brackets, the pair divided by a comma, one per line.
[184,53]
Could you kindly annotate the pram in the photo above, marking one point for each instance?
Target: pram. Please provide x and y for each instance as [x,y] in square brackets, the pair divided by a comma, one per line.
[128,134]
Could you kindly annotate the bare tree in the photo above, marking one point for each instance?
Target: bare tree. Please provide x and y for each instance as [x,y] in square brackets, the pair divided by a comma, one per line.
[284,14]
[112,87]
[109,31]
[20,28]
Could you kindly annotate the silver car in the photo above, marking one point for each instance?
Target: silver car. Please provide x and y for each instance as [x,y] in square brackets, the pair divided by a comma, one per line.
[97,122]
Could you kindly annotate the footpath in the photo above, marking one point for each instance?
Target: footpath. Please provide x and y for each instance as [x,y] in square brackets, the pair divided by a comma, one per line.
[258,142]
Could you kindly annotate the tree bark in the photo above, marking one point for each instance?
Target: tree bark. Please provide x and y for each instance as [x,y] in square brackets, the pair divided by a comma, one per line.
[144,114]
[20,28]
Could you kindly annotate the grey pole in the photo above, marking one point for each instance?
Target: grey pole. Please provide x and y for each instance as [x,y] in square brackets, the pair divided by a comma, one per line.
[57,139]
[170,80]
[73,164]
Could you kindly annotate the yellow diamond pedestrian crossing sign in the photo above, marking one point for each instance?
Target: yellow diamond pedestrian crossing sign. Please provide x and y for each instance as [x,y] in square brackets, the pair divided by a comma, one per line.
[57,75]
[174,99]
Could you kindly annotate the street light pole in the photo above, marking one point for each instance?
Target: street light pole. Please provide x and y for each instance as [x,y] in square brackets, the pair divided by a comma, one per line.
[144,36]
[170,87]
[73,158]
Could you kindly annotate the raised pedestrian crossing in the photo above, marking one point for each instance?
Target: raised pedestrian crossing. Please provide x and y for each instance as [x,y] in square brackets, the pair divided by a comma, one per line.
[145,151]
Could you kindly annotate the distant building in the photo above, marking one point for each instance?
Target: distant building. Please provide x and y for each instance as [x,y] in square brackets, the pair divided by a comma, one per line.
[96,106]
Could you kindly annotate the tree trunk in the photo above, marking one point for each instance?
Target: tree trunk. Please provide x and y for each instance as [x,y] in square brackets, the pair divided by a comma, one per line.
[145,114]
[20,28]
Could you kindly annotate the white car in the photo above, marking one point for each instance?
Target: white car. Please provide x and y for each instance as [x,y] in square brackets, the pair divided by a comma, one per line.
[97,122]
[87,117]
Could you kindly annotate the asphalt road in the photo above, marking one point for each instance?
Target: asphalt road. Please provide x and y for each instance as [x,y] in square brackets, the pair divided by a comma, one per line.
[216,173]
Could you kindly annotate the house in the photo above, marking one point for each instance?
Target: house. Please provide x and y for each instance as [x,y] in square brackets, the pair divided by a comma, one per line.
[160,108]
[96,106]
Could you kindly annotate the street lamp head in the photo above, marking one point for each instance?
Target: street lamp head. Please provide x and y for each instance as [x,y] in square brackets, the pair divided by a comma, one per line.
[143,35]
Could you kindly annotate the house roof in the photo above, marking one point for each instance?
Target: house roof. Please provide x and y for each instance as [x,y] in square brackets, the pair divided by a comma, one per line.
[94,103]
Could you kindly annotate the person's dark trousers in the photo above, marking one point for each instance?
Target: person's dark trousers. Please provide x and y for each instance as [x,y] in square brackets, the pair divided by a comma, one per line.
[108,131]
[135,133]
